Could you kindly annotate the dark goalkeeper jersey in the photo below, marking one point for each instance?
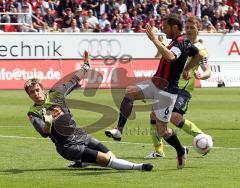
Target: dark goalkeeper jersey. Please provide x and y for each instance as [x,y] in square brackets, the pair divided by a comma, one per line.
[169,72]
[66,131]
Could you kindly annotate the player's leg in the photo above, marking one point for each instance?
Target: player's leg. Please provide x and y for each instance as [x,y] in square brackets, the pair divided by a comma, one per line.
[171,138]
[180,108]
[163,116]
[104,154]
[132,93]
[186,125]
[191,128]
[143,90]
[80,152]
[103,159]
[156,139]
[121,164]
[94,144]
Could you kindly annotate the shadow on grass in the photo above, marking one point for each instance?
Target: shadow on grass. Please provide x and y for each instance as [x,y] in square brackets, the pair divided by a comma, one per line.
[175,169]
[82,171]
[96,171]
[86,171]
[151,159]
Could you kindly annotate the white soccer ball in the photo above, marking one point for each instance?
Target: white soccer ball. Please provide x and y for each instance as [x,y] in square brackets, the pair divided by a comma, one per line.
[202,143]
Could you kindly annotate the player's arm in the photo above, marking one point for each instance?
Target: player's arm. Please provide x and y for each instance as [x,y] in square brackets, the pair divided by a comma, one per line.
[42,126]
[194,62]
[167,54]
[205,68]
[73,83]
[67,87]
[196,58]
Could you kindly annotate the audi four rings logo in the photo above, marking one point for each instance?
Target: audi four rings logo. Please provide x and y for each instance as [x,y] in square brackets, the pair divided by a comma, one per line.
[100,48]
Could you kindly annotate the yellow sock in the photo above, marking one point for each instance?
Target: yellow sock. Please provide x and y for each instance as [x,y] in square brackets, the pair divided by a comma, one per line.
[190,128]
[159,148]
[157,140]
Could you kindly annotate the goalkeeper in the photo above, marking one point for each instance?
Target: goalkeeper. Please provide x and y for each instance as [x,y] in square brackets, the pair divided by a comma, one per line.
[51,118]
[184,95]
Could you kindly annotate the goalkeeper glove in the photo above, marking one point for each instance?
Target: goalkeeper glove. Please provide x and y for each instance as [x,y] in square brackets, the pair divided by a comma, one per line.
[86,65]
[47,118]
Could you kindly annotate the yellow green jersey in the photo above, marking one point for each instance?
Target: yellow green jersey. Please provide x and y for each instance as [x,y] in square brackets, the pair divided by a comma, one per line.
[188,85]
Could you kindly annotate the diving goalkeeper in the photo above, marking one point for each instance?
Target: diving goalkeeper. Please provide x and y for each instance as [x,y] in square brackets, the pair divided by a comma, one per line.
[51,118]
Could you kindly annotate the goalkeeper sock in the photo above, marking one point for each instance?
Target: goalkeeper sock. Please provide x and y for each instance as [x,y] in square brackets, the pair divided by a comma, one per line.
[121,164]
[190,128]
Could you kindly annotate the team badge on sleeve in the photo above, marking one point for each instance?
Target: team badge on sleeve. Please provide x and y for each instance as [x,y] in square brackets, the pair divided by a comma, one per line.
[30,118]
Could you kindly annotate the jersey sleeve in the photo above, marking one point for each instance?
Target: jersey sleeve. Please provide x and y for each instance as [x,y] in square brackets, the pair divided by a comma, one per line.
[68,86]
[176,50]
[193,50]
[204,55]
[203,61]
[37,123]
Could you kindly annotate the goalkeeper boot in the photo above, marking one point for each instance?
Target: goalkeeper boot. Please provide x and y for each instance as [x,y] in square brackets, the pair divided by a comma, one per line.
[75,164]
[114,133]
[147,167]
[181,160]
[79,164]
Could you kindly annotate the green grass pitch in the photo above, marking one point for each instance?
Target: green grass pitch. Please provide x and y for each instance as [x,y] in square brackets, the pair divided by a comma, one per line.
[29,161]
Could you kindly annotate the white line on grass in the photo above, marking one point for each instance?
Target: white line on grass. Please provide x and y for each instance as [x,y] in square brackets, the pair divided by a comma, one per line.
[111,142]
[21,137]
[12,126]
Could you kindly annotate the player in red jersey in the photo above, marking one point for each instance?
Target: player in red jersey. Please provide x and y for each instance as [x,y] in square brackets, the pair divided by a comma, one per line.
[163,87]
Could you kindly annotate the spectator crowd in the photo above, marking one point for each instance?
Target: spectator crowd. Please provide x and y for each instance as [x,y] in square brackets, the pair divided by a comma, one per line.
[117,16]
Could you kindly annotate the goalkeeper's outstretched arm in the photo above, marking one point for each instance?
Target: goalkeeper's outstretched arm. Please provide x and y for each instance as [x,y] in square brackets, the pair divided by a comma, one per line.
[73,83]
[39,124]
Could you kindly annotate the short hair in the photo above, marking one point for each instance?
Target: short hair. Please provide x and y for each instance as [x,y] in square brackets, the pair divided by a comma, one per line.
[173,19]
[195,20]
[32,82]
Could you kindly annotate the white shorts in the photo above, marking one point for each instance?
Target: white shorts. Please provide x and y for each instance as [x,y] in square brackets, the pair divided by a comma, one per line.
[163,102]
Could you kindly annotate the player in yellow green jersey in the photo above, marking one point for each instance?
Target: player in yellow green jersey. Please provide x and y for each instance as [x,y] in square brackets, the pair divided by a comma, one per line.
[186,88]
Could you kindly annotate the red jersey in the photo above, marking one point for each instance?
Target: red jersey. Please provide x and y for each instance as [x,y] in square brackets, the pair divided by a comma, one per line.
[168,73]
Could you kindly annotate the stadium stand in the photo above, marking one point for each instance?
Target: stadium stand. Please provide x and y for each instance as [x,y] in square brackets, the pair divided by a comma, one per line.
[115,15]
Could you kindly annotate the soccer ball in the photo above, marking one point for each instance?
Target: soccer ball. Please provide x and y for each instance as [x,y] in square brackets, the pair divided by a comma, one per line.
[202,143]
